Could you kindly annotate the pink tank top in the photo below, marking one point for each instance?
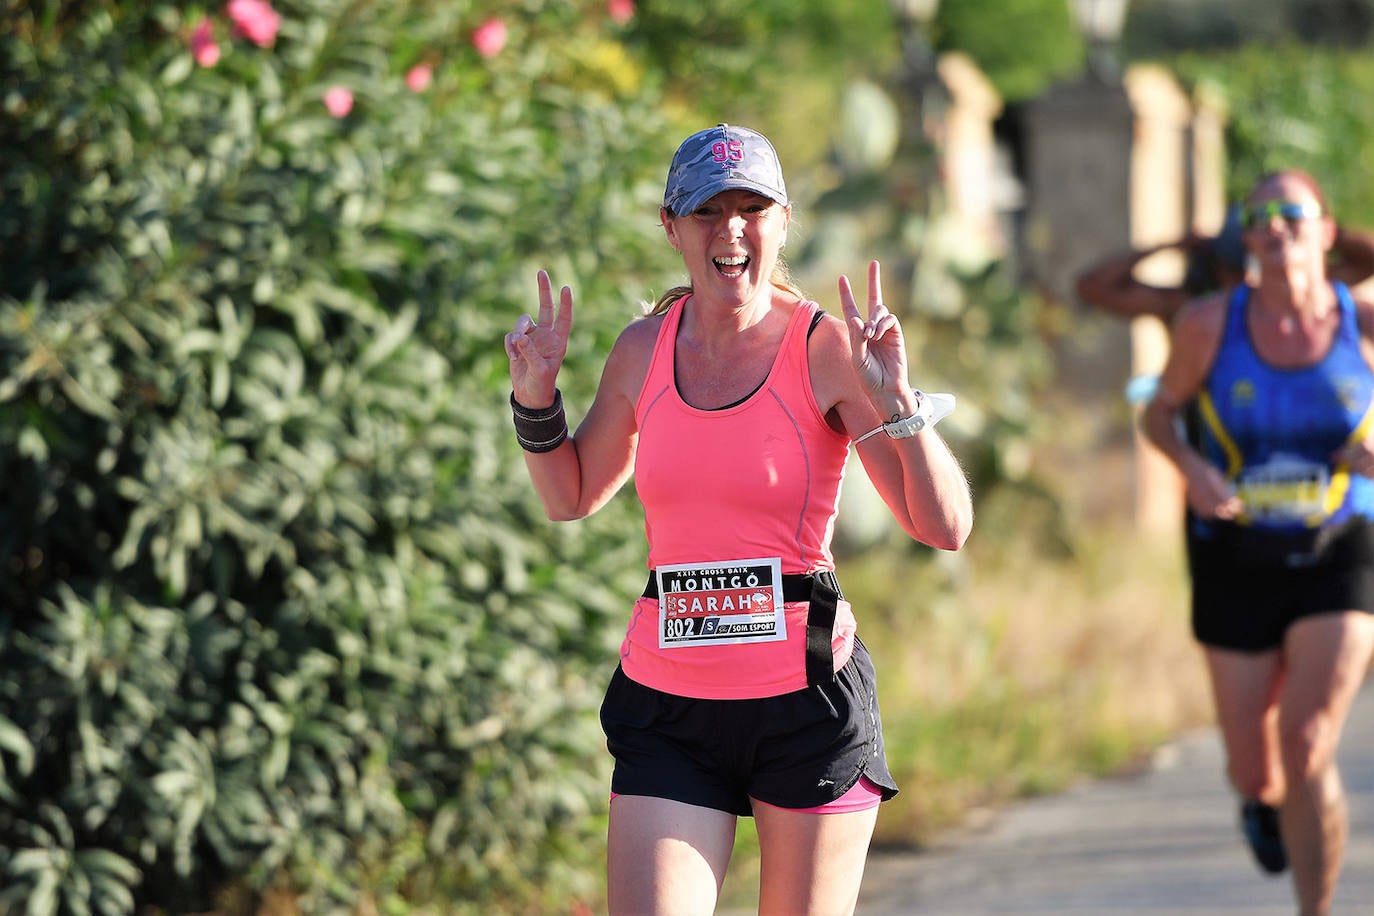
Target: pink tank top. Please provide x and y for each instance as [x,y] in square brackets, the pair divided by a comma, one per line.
[731,497]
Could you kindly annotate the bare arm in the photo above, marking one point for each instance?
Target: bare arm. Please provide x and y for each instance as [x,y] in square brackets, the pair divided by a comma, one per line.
[862,377]
[584,472]
[1196,336]
[1110,284]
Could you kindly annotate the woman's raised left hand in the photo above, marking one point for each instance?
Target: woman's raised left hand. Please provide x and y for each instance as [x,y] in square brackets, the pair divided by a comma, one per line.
[876,342]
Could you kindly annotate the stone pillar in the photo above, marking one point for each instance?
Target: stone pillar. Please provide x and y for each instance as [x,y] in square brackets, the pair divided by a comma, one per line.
[1161,176]
[969,166]
[1078,154]
[1112,166]
[1209,162]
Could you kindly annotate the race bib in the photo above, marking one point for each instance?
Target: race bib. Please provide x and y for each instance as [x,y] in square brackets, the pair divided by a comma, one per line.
[1284,489]
[722,603]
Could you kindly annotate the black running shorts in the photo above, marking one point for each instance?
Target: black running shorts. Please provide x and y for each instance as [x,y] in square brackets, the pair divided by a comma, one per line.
[1247,591]
[798,750]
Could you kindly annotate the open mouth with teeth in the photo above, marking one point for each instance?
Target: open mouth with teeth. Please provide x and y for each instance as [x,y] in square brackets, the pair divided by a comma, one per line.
[731,268]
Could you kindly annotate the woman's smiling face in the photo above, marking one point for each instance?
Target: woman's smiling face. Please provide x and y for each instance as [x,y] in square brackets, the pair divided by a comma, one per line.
[730,244]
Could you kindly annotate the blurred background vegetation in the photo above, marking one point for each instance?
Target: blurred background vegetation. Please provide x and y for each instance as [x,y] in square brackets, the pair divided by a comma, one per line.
[282,626]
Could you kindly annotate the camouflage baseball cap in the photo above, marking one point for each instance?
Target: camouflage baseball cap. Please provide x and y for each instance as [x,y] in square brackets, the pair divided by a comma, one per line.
[719,159]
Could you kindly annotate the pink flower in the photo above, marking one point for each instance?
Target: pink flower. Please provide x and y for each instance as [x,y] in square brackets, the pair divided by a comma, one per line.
[622,11]
[419,77]
[255,20]
[204,48]
[338,100]
[490,37]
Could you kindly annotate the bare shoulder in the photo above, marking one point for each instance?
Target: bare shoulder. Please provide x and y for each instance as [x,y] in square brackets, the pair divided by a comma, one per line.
[833,379]
[1204,316]
[828,349]
[1196,336]
[641,333]
[830,339]
[628,364]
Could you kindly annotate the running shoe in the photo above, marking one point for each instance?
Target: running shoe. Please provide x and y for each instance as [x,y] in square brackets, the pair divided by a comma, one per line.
[1261,825]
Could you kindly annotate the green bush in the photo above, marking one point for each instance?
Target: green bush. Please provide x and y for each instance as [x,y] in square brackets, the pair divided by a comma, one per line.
[280,609]
[1157,28]
[1022,45]
[1294,106]
[279,606]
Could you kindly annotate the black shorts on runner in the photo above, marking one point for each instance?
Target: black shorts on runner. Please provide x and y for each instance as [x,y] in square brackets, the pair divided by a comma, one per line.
[1248,589]
[798,750]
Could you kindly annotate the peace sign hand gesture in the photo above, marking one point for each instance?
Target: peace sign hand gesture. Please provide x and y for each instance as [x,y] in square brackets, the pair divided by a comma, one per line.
[877,345]
[536,349]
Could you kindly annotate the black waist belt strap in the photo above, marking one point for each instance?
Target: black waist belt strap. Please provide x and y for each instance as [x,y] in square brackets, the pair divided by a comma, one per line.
[822,590]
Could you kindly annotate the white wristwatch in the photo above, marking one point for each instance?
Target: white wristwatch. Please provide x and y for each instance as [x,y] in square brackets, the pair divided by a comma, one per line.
[930,409]
[907,427]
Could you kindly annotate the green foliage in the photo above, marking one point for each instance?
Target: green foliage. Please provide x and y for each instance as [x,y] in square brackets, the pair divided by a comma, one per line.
[280,609]
[1021,45]
[734,47]
[279,604]
[1162,27]
[1294,106]
[1344,23]
[776,65]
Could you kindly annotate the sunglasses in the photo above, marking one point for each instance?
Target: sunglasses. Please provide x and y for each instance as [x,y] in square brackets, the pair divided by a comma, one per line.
[1260,215]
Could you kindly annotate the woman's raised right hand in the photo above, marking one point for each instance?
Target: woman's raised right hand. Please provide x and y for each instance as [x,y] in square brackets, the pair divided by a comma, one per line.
[536,349]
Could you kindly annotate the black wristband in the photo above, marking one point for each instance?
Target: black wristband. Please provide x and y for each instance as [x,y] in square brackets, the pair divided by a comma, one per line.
[543,429]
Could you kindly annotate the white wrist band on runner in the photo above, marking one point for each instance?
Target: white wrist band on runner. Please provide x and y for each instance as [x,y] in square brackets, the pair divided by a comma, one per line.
[930,409]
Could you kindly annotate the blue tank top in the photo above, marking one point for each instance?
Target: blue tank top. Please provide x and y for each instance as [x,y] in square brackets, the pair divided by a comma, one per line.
[1272,430]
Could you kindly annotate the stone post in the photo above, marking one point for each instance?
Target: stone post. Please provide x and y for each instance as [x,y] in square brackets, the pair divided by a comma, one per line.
[1209,162]
[1160,201]
[1077,152]
[1110,166]
[969,166]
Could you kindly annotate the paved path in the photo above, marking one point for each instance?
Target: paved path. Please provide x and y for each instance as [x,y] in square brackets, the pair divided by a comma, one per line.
[1165,841]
